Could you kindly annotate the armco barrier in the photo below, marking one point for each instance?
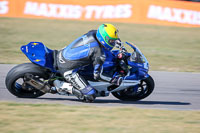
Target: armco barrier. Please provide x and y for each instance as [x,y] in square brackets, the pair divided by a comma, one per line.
[162,12]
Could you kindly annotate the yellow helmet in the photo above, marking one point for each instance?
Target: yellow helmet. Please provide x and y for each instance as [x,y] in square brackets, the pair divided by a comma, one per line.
[107,34]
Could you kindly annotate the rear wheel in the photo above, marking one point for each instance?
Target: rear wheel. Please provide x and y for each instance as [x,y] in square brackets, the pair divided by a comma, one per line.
[138,92]
[15,80]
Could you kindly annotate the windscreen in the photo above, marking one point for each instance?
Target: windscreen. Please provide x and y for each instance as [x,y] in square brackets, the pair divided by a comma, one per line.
[137,57]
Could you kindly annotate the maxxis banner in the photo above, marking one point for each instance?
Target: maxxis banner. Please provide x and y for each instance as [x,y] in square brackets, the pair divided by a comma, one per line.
[161,12]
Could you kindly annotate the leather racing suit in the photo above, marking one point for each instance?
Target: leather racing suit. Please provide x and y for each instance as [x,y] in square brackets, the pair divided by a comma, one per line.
[83,51]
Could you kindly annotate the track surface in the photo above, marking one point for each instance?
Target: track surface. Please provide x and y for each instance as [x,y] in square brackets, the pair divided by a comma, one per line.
[173,91]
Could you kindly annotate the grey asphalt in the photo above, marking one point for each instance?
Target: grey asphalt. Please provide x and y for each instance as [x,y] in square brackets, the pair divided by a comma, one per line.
[173,91]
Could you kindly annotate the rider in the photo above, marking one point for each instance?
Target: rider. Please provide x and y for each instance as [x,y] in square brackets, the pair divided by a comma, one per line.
[87,49]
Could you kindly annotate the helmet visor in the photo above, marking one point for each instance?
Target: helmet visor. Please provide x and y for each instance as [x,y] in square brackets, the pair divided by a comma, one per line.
[110,41]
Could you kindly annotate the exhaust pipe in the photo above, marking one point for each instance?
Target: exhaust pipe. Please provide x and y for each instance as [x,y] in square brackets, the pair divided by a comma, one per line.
[37,84]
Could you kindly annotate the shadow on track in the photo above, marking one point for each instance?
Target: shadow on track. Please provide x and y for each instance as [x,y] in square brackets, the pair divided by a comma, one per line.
[106,101]
[143,102]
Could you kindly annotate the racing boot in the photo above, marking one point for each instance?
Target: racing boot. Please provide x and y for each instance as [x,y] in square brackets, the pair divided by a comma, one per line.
[87,94]
[81,87]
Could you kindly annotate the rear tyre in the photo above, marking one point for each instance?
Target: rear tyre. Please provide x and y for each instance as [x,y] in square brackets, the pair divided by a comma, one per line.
[15,79]
[141,91]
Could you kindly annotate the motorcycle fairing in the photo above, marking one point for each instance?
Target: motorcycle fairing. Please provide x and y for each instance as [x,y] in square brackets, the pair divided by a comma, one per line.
[141,67]
[137,71]
[39,54]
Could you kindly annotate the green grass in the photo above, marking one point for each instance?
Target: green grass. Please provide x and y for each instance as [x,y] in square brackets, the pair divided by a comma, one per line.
[55,118]
[166,48]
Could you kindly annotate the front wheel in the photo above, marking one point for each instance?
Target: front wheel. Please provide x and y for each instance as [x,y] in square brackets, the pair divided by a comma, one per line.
[138,92]
[15,79]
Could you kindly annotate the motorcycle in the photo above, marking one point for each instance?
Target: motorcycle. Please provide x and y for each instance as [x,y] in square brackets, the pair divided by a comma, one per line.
[32,80]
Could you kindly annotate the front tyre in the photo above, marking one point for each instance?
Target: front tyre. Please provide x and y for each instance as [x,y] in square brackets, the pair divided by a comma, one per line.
[138,92]
[15,79]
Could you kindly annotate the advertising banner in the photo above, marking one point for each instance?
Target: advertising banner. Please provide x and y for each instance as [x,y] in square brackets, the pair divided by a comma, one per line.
[161,12]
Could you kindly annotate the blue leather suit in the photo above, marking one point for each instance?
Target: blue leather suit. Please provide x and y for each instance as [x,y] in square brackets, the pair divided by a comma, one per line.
[83,51]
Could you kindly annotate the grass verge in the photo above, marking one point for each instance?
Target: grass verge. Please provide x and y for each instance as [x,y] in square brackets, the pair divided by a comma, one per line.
[55,118]
[166,48]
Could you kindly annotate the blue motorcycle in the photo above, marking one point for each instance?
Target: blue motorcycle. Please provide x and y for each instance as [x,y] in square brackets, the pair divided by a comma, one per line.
[31,80]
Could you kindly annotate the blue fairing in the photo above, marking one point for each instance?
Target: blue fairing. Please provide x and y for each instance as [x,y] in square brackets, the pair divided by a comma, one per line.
[138,70]
[39,54]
